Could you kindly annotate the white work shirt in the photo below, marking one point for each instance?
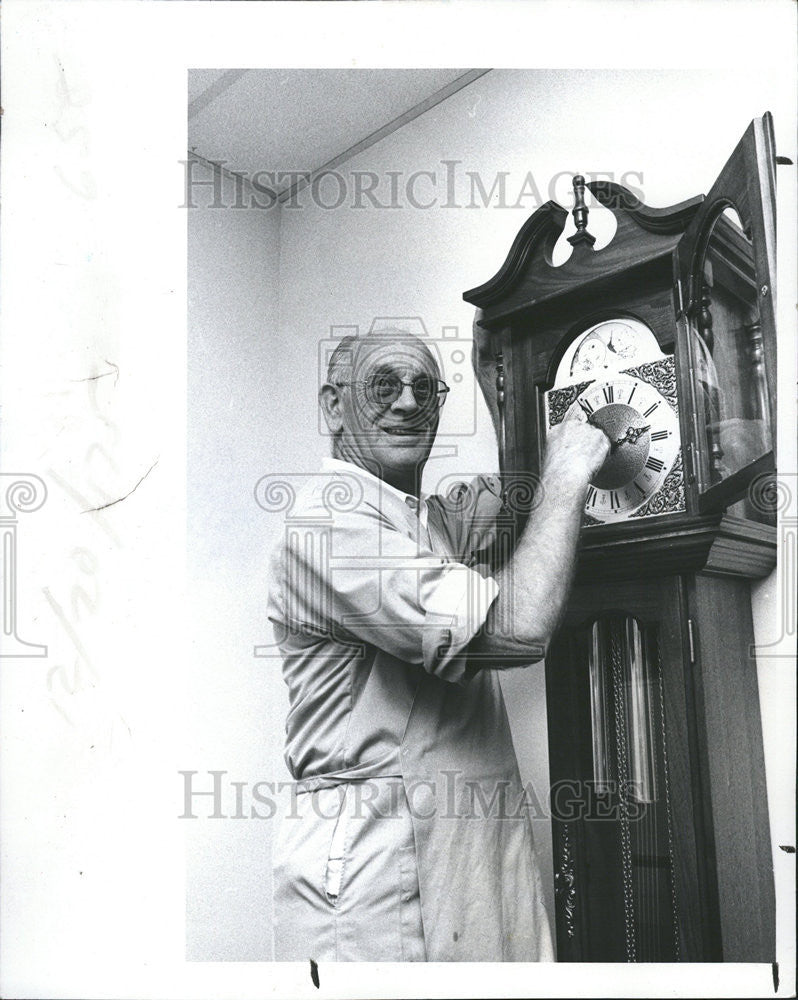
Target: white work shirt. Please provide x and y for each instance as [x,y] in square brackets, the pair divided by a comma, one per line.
[409,838]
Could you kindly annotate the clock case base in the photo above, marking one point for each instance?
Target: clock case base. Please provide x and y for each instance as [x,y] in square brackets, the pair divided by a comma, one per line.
[708,895]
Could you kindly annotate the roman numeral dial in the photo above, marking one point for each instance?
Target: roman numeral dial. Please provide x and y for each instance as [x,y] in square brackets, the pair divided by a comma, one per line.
[643,427]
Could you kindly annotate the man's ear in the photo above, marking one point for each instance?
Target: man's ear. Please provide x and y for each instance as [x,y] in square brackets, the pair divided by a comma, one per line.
[330,402]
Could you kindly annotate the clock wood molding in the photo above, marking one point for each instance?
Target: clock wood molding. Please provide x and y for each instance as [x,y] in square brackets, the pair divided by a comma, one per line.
[528,277]
[665,338]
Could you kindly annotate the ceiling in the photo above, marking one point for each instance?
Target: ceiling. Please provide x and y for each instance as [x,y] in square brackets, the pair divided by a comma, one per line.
[289,120]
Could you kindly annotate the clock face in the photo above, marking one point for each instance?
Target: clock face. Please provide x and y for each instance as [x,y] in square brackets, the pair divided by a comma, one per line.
[612,345]
[637,411]
[645,435]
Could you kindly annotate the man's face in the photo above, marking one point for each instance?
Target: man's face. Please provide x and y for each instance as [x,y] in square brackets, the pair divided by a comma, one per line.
[391,439]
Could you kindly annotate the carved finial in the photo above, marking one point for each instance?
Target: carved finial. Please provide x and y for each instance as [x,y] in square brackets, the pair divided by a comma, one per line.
[580,212]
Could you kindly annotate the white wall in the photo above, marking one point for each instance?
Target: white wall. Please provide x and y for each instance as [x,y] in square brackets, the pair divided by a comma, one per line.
[253,407]
[235,710]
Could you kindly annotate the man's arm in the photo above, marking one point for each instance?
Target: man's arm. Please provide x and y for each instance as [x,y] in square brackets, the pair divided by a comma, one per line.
[535,582]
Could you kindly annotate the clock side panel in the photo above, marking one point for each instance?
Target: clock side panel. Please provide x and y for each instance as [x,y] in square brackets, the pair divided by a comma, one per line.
[526,359]
[732,765]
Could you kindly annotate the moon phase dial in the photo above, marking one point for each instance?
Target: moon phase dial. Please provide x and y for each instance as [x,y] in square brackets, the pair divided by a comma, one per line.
[608,347]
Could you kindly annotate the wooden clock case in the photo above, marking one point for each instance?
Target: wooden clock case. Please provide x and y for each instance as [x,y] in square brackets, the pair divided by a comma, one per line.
[692,881]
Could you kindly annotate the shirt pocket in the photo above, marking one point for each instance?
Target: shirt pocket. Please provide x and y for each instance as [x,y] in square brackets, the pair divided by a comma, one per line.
[334,868]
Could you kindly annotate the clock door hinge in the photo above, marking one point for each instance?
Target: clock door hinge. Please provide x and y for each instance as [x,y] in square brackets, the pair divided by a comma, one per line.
[679,298]
[691,639]
[690,457]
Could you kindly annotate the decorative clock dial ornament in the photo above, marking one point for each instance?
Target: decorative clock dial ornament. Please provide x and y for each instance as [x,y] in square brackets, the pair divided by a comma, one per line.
[637,409]
[644,432]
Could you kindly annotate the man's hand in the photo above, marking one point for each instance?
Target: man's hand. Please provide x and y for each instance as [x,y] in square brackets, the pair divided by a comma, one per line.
[575,451]
[534,583]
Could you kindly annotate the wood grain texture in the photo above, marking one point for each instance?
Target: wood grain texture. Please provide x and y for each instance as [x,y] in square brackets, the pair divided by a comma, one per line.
[677,543]
[733,767]
[670,571]
[693,847]
[528,276]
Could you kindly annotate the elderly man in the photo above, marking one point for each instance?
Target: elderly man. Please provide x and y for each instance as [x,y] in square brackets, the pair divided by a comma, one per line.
[408,840]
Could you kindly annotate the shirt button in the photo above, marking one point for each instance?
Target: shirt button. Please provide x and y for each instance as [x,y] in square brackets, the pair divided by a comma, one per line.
[412,503]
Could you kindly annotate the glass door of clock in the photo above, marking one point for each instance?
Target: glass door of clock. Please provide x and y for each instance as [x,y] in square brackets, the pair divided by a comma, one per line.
[725,271]
[626,856]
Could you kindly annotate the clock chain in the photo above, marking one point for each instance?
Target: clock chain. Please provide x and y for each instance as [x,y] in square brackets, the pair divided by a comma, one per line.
[623,787]
[666,777]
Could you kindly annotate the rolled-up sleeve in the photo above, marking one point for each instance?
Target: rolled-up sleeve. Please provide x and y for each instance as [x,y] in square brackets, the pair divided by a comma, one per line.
[455,611]
[355,576]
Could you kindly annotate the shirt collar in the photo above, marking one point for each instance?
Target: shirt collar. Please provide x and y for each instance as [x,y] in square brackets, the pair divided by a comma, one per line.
[418,504]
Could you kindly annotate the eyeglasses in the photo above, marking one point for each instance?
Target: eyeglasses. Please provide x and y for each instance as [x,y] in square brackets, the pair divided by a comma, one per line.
[384,389]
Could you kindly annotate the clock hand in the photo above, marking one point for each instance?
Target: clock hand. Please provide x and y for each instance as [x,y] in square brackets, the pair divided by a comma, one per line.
[631,436]
[634,433]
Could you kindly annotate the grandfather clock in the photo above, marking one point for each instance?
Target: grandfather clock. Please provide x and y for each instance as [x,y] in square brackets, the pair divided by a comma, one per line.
[666,339]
